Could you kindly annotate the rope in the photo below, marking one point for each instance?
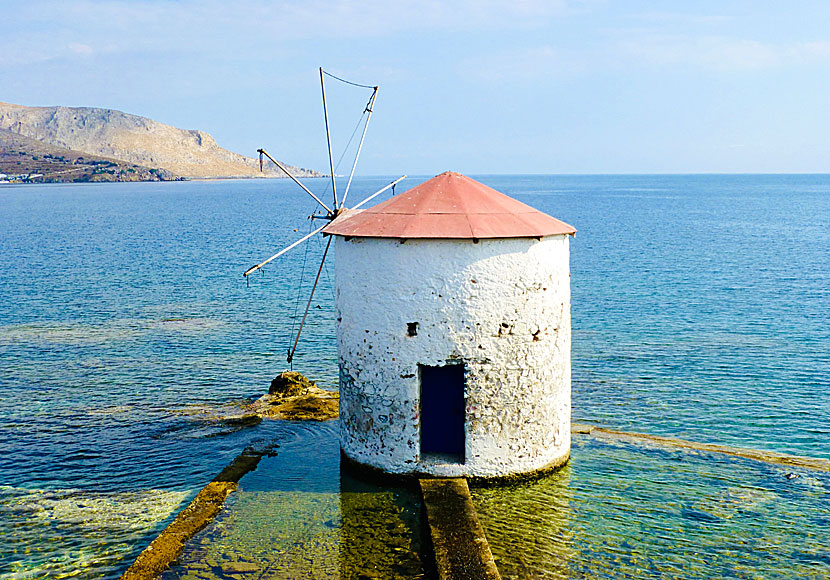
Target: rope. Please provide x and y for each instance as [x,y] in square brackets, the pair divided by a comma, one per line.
[363,119]
[297,303]
[328,74]
[345,150]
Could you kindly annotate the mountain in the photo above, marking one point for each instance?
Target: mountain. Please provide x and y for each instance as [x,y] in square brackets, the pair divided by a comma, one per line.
[135,140]
[23,158]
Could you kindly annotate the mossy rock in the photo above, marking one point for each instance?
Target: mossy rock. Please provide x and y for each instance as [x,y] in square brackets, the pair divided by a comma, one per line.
[290,384]
[311,408]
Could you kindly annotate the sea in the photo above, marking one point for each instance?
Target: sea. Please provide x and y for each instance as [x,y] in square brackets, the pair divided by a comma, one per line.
[700,309]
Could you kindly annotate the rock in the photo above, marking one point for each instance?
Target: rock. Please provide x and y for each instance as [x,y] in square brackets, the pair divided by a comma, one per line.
[290,383]
[295,398]
[246,420]
[312,407]
[236,567]
[21,155]
[291,397]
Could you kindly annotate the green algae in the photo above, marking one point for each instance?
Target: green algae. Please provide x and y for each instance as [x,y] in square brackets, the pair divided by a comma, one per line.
[458,542]
[815,463]
[623,507]
[169,544]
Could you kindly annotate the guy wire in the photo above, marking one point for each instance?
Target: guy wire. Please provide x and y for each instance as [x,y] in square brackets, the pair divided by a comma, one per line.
[348,82]
[299,294]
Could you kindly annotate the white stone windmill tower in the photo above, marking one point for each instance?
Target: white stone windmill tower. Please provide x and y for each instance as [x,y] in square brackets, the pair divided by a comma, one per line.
[453,333]
[453,330]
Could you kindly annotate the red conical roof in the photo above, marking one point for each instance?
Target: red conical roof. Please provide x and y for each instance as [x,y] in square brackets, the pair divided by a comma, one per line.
[449,205]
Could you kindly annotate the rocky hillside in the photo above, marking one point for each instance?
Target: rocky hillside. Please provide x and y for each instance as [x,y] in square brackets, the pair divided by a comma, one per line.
[135,140]
[22,158]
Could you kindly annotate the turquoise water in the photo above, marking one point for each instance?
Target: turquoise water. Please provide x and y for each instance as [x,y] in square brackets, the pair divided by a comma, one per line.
[617,510]
[295,519]
[700,310]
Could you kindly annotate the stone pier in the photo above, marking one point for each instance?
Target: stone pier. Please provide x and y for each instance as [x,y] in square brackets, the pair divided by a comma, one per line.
[461,550]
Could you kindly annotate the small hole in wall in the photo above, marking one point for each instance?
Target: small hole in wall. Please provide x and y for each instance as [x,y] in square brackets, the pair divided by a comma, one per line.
[411,328]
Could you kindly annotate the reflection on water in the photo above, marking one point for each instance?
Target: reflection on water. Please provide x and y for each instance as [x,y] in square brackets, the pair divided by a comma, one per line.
[380,532]
[541,532]
[619,509]
[623,510]
[297,516]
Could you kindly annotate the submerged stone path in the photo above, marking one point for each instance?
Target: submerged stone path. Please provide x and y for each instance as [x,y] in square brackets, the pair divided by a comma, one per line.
[460,547]
[461,550]
[162,551]
[816,463]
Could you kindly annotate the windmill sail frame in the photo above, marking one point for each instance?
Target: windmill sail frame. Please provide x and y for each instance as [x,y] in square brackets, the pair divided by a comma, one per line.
[338,205]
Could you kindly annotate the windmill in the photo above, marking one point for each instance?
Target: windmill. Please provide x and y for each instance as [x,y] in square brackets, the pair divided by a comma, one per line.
[338,206]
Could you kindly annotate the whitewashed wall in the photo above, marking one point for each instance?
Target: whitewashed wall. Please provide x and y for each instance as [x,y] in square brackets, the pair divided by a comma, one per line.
[501,306]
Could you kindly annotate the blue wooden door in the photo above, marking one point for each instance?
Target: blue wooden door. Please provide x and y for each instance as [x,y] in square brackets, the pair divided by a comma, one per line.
[442,411]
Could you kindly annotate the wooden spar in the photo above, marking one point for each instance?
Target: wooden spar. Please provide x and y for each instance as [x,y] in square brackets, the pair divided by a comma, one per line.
[369,108]
[284,250]
[328,138]
[377,193]
[307,190]
[308,305]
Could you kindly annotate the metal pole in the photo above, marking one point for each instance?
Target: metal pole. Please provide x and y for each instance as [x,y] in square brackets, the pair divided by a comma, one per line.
[377,193]
[328,137]
[369,107]
[307,190]
[308,305]
[284,250]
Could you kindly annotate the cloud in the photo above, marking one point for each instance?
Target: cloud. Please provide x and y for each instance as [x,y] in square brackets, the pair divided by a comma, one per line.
[683,18]
[297,19]
[813,50]
[44,29]
[520,65]
[722,54]
[713,53]
[81,49]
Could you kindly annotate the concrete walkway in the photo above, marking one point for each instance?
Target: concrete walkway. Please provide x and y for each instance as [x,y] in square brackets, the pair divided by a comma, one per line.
[461,550]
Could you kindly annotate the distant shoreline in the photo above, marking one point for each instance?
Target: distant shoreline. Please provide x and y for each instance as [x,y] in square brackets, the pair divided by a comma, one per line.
[36,180]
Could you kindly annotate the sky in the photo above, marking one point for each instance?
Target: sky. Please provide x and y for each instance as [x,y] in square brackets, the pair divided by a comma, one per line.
[475,86]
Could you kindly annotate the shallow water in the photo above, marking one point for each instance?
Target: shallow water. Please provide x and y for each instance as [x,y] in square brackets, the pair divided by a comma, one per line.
[297,516]
[619,509]
[700,308]
[623,510]
[66,533]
